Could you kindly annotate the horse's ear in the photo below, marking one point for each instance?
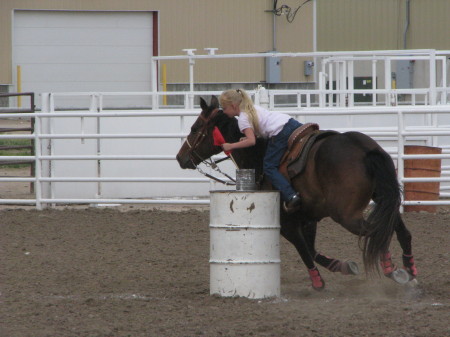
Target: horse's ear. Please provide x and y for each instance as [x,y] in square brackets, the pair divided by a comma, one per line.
[203,104]
[214,102]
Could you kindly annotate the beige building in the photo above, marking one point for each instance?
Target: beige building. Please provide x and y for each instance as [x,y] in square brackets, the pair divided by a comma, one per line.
[106,45]
[382,24]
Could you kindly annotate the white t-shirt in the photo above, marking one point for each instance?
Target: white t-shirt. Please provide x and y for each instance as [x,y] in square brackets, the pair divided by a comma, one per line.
[270,122]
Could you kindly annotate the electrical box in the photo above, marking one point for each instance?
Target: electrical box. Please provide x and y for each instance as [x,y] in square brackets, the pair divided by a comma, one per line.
[404,75]
[273,69]
[308,68]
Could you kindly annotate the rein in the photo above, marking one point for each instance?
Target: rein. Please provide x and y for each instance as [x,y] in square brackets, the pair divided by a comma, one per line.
[209,163]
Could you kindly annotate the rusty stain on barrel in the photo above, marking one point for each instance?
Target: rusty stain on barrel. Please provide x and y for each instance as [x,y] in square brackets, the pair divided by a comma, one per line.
[422,168]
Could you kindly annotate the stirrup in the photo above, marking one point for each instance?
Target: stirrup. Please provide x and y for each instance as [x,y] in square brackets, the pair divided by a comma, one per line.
[293,204]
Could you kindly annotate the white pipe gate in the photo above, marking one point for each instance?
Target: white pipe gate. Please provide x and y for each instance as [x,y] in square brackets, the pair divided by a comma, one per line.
[45,160]
[57,131]
[340,66]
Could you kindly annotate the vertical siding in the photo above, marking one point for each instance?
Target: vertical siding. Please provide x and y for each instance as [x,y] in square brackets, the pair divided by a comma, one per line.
[295,37]
[380,24]
[357,24]
[5,44]
[233,26]
[430,24]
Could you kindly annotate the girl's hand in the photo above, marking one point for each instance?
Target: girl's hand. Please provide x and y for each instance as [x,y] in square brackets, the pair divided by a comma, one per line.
[227,147]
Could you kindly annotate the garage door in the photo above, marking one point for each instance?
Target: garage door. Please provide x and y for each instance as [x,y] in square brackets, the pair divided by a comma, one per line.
[72,51]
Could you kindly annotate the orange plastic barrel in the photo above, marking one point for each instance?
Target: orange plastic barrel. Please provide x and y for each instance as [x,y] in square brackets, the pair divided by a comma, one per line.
[422,168]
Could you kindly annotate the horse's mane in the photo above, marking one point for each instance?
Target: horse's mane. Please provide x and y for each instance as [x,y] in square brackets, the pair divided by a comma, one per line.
[228,127]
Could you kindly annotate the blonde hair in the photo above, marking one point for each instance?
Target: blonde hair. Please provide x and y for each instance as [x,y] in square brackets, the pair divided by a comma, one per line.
[239,96]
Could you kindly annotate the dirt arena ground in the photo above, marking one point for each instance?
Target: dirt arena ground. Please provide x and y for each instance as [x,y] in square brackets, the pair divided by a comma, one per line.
[145,272]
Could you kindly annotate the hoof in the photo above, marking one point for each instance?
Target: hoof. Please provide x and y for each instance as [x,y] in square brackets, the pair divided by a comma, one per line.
[400,276]
[317,281]
[413,283]
[349,268]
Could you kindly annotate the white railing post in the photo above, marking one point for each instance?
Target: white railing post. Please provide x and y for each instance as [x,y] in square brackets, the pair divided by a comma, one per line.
[190,52]
[444,80]
[374,82]
[45,105]
[95,108]
[154,84]
[330,84]
[343,83]
[387,81]
[263,97]
[322,85]
[38,169]
[433,77]
[186,100]
[351,87]
[400,152]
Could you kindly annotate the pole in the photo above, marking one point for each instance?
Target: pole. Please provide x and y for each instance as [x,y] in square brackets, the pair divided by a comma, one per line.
[19,86]
[164,82]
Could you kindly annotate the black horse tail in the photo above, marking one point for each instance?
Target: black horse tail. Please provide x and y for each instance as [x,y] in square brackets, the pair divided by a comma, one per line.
[385,215]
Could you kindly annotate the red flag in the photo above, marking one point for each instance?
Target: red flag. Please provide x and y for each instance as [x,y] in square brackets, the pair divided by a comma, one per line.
[218,139]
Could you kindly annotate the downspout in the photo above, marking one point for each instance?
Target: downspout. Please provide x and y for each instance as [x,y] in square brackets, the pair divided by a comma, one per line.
[273,11]
[315,40]
[274,32]
[405,32]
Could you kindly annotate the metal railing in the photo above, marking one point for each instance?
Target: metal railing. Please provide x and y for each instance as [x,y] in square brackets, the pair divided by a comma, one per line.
[340,67]
[13,130]
[399,134]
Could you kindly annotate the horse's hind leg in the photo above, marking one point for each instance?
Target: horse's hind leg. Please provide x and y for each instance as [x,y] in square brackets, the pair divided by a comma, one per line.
[357,226]
[389,268]
[293,234]
[404,238]
[333,265]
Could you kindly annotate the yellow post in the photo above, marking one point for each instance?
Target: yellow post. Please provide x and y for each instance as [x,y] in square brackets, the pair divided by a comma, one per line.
[164,82]
[19,86]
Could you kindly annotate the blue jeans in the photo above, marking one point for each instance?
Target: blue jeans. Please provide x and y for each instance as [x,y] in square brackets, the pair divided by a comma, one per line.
[275,150]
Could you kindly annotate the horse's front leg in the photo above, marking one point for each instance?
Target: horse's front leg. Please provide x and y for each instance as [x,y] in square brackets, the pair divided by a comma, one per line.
[293,234]
[334,265]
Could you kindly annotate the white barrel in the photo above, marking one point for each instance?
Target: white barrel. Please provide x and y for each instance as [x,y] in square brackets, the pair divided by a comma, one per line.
[245,244]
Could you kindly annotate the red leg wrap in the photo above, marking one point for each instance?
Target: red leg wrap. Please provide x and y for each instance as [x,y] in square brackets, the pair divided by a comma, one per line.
[386,264]
[317,282]
[408,262]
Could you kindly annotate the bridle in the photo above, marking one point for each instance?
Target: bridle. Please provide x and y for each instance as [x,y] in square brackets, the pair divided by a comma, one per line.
[209,162]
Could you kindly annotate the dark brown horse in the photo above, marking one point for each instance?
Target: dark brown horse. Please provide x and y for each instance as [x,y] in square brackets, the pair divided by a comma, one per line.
[343,173]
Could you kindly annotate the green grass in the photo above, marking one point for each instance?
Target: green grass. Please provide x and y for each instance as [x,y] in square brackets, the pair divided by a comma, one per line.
[15,152]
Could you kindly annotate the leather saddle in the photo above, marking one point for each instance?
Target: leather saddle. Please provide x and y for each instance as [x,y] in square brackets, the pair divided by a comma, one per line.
[299,144]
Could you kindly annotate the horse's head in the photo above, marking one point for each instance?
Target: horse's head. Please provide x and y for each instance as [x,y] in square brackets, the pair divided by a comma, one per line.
[199,144]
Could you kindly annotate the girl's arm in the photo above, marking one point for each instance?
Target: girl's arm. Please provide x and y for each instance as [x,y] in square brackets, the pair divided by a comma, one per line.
[249,140]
